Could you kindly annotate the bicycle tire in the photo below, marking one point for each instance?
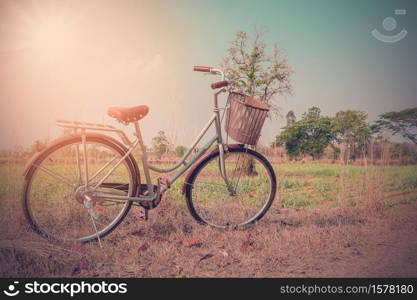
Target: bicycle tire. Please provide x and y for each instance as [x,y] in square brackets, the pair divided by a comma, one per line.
[63,142]
[189,186]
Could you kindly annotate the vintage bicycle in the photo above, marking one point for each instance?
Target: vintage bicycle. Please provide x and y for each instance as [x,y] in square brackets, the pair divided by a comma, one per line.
[82,185]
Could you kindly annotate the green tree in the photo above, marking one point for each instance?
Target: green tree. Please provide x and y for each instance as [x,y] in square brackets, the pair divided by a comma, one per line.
[160,144]
[290,117]
[403,122]
[308,136]
[395,150]
[312,114]
[350,128]
[180,150]
[362,137]
[261,74]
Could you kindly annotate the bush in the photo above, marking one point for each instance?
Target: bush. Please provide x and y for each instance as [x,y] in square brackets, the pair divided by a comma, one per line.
[180,150]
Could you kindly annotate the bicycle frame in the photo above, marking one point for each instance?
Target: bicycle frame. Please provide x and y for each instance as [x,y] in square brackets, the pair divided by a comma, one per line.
[146,166]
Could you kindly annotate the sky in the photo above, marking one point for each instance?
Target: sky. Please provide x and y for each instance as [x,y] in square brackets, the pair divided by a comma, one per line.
[71,60]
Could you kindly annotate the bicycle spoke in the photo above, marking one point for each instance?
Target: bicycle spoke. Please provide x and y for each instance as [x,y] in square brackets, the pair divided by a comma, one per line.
[236,168]
[112,169]
[213,183]
[102,168]
[239,168]
[55,175]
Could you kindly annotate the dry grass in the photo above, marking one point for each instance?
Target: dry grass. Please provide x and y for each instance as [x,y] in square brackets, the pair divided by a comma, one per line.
[344,230]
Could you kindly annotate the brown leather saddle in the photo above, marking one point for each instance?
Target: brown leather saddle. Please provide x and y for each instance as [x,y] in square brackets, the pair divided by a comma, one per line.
[128,114]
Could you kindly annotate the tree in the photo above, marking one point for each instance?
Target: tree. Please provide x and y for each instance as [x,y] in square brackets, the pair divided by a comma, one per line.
[260,74]
[312,114]
[160,144]
[38,146]
[403,122]
[395,150]
[350,127]
[309,136]
[362,137]
[291,119]
[180,150]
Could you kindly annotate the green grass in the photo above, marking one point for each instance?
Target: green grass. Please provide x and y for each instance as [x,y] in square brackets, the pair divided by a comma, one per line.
[313,185]
[401,178]
[292,183]
[299,185]
[315,170]
[299,200]
[325,189]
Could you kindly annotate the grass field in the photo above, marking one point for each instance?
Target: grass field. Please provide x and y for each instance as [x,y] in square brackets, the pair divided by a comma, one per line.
[324,219]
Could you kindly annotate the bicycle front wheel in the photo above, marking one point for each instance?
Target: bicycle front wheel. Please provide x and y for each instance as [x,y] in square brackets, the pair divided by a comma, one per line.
[59,192]
[241,198]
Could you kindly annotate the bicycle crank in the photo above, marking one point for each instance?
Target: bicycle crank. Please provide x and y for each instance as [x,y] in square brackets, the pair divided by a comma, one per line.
[163,183]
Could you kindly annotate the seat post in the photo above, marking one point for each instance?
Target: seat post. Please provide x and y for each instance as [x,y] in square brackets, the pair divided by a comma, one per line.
[144,158]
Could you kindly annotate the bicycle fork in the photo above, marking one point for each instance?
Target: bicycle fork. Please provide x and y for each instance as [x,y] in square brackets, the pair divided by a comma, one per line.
[221,146]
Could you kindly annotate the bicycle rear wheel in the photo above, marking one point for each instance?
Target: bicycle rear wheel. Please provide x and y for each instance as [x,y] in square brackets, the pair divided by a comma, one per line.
[245,199]
[57,202]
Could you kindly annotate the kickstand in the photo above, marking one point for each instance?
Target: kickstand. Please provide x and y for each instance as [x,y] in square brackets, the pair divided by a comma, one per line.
[93,215]
[146,214]
[95,228]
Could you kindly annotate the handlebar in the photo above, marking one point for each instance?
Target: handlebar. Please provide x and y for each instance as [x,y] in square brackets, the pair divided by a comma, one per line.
[202,69]
[215,71]
[209,70]
[219,84]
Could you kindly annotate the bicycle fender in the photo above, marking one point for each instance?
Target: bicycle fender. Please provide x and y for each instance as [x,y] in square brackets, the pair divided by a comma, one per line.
[31,161]
[34,157]
[213,152]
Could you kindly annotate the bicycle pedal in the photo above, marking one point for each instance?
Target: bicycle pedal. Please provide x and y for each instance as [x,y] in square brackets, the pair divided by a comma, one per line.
[144,192]
[144,189]
[164,182]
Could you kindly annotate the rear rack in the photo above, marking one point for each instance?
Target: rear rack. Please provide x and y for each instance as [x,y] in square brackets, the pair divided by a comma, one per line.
[93,126]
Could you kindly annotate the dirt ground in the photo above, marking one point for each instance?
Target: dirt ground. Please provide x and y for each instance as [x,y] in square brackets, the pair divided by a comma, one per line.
[349,242]
[388,251]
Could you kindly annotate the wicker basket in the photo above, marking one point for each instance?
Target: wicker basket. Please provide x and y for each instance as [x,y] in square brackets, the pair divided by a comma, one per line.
[245,117]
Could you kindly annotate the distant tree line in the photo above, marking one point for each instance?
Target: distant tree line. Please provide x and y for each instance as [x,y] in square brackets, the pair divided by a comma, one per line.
[348,134]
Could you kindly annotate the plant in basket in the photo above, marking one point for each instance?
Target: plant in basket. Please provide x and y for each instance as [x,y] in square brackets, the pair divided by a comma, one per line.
[262,76]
